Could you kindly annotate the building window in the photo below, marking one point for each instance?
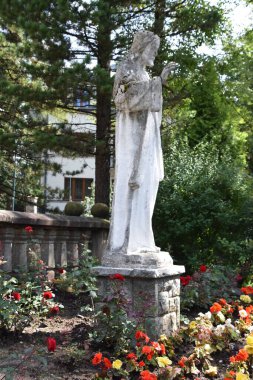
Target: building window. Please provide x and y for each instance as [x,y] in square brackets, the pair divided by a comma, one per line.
[76,189]
[82,99]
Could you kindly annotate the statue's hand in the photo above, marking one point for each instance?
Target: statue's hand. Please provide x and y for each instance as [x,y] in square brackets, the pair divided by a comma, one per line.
[167,70]
[133,183]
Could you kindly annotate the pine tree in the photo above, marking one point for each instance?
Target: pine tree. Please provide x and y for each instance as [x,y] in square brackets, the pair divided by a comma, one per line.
[65,48]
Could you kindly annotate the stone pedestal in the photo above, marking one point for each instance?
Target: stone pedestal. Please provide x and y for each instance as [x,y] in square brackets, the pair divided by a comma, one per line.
[152,285]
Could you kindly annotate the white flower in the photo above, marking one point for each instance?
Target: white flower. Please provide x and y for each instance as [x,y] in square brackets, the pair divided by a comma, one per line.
[219,330]
[208,348]
[243,313]
[208,315]
[221,316]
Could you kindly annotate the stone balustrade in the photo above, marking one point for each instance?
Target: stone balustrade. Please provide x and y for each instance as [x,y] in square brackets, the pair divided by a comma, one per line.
[56,239]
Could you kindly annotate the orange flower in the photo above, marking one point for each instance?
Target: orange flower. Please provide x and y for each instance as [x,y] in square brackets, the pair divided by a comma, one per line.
[182,361]
[249,309]
[163,350]
[97,358]
[215,308]
[240,357]
[247,290]
[107,363]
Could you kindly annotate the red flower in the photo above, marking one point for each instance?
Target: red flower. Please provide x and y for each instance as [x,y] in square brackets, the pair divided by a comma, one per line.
[51,344]
[215,308]
[61,270]
[203,268]
[247,290]
[150,356]
[16,296]
[48,295]
[185,280]
[117,276]
[131,356]
[146,375]
[141,335]
[29,229]
[182,361]
[141,364]
[55,309]
[97,358]
[107,363]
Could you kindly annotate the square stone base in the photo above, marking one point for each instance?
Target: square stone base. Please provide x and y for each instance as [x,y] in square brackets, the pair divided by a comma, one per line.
[154,295]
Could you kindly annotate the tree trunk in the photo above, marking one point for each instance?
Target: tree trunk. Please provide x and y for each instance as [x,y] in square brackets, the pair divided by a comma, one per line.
[158,28]
[104,93]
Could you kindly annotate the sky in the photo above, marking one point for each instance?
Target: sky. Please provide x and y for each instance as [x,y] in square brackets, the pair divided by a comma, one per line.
[241,17]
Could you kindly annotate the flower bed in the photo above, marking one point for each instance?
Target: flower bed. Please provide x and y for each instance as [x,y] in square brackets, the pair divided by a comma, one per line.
[191,352]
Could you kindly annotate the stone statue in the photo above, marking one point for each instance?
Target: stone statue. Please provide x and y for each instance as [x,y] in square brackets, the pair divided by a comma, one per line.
[139,162]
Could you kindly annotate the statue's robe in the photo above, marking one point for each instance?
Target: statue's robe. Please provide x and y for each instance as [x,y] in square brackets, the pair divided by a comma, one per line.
[139,162]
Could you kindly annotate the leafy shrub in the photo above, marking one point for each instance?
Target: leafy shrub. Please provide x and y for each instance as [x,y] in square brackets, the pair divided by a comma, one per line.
[100,210]
[113,327]
[80,279]
[204,208]
[206,285]
[73,209]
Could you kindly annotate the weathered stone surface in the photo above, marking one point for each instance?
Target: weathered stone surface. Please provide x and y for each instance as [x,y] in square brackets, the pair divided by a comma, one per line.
[139,162]
[154,299]
[56,239]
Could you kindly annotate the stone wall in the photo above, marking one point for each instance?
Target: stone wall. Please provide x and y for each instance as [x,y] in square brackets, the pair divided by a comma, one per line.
[56,239]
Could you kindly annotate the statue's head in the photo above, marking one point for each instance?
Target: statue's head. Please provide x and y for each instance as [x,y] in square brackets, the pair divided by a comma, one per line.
[145,46]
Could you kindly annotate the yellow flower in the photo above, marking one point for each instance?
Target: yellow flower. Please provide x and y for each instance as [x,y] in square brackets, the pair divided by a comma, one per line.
[211,371]
[117,364]
[249,349]
[163,361]
[163,337]
[249,340]
[241,376]
[193,325]
[245,298]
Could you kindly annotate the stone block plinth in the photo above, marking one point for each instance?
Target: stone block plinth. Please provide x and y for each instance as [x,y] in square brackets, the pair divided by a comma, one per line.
[154,291]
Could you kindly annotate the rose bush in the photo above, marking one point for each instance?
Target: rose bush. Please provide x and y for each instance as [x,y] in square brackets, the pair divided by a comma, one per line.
[24,298]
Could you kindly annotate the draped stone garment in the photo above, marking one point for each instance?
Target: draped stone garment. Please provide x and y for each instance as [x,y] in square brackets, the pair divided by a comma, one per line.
[139,161]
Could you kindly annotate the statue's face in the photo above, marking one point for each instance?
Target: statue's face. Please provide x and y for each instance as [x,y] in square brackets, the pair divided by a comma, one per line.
[149,54]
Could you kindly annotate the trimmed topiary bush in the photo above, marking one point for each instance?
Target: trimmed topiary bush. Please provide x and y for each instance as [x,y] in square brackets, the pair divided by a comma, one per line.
[100,210]
[73,209]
